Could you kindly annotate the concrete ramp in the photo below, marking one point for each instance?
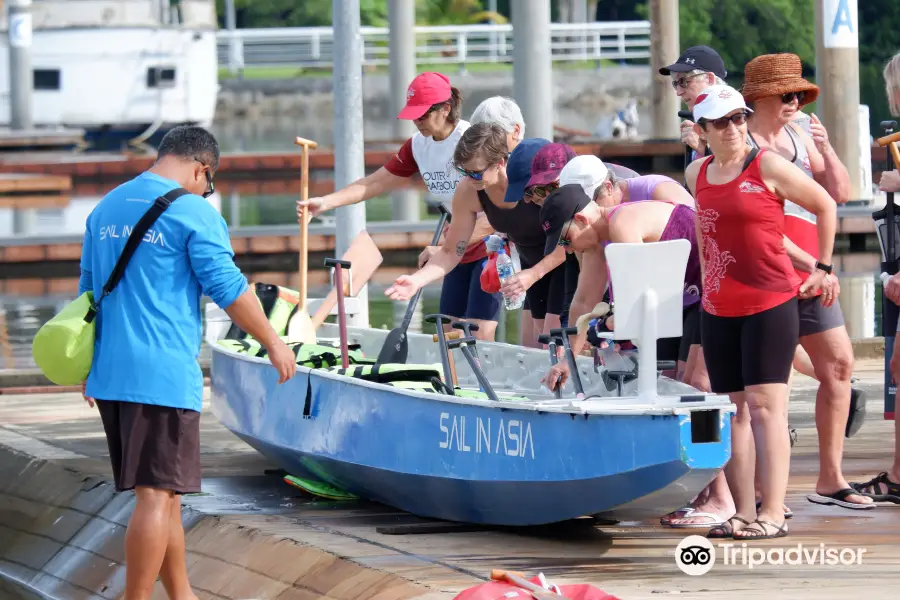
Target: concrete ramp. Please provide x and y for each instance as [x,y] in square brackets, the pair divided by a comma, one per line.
[62,537]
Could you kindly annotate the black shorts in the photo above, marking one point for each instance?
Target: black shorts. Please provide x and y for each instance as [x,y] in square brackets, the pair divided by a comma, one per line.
[152,446]
[548,294]
[752,350]
[816,318]
[677,348]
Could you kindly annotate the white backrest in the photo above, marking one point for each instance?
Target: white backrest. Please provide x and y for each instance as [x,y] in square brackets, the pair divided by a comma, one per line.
[636,268]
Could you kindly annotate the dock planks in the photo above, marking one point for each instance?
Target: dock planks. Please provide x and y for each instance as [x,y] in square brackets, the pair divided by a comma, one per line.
[340,542]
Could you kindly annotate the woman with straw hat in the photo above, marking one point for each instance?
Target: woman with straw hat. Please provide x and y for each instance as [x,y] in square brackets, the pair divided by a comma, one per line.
[775,86]
[885,487]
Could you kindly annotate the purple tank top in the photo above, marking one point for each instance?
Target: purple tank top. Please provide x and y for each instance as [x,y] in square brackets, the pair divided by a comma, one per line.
[641,188]
[679,227]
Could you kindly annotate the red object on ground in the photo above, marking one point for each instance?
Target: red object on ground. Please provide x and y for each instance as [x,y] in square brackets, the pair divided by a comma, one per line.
[502,590]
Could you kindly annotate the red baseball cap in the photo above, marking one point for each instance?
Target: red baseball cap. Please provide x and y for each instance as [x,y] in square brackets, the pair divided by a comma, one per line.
[425,91]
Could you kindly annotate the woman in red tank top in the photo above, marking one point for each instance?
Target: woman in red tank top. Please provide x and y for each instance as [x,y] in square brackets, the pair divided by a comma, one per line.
[749,325]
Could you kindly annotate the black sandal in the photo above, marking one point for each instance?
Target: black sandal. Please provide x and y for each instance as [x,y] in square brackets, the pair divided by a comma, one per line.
[891,489]
[760,526]
[726,528]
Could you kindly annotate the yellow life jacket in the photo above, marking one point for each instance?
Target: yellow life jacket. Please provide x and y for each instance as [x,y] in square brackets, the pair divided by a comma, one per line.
[315,356]
[392,372]
[278,303]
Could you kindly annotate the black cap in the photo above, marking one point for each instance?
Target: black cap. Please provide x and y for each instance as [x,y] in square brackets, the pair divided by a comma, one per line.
[702,58]
[559,208]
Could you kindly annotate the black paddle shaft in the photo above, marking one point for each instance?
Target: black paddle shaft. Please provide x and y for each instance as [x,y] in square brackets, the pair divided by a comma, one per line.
[552,346]
[444,218]
[464,345]
[573,366]
[339,265]
[439,321]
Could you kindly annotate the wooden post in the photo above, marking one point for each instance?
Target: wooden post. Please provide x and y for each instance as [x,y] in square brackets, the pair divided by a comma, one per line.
[837,74]
[664,50]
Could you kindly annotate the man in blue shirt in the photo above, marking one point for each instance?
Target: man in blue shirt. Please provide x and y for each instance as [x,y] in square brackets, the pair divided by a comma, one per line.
[145,376]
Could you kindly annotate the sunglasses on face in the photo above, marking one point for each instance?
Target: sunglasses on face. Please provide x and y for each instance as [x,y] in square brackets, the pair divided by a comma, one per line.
[789,97]
[476,175]
[210,186]
[722,124]
[683,82]
[541,191]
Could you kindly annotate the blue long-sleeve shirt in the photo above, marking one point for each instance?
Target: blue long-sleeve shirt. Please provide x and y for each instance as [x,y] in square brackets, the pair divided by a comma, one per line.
[149,329]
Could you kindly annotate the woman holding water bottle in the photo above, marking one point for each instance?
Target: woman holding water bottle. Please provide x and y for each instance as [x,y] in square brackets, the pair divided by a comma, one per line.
[491,185]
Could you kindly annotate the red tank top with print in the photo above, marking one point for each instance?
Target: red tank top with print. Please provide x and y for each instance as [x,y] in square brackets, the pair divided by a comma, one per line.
[747,269]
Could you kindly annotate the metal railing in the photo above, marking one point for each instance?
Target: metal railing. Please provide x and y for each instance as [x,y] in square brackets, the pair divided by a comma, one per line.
[455,44]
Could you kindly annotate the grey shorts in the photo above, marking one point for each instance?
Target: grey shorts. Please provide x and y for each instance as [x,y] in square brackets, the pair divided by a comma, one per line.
[816,318]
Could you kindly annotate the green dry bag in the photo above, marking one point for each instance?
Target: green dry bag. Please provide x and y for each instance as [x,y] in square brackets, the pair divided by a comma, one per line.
[64,346]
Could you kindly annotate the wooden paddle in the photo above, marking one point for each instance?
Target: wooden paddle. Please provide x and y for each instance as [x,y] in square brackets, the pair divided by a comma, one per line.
[365,257]
[301,328]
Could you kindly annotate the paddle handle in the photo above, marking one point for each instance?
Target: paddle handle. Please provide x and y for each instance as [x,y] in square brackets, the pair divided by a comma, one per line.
[895,154]
[892,138]
[305,145]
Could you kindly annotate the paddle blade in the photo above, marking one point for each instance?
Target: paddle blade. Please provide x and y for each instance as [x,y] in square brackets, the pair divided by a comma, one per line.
[301,329]
[395,349]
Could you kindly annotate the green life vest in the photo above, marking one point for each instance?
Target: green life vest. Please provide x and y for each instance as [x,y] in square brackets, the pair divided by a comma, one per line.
[315,356]
[392,372]
[278,303]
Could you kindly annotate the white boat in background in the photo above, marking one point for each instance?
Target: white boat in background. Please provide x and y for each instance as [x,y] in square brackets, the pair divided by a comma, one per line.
[123,70]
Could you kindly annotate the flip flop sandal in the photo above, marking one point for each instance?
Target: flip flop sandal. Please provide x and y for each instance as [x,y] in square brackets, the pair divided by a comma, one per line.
[780,532]
[892,490]
[857,415]
[717,521]
[788,513]
[684,511]
[726,529]
[838,499]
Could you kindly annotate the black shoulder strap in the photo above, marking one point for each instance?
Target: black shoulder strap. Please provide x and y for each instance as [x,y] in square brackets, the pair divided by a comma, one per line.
[750,158]
[137,234]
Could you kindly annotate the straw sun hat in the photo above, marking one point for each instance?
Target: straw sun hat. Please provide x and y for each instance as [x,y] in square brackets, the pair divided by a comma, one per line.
[774,75]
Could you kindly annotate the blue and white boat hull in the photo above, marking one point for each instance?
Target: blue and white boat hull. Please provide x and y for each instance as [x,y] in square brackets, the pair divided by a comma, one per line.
[497,463]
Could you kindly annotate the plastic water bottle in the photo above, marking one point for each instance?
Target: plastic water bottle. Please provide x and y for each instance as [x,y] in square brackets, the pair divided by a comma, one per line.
[506,270]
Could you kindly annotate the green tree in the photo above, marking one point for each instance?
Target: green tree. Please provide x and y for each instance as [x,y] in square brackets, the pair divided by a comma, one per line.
[739,30]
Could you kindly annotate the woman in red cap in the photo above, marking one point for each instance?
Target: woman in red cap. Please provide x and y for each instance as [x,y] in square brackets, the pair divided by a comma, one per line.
[433,105]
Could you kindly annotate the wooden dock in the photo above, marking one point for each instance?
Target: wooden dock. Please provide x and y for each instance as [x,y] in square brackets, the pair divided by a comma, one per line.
[250,535]
[33,190]
[644,157]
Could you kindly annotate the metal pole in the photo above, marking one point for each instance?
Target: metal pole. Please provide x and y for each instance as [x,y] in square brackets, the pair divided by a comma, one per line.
[231,24]
[664,50]
[348,133]
[532,65]
[21,77]
[837,75]
[402,53]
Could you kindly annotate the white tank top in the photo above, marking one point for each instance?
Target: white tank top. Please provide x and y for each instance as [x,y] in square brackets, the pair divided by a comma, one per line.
[435,162]
[801,160]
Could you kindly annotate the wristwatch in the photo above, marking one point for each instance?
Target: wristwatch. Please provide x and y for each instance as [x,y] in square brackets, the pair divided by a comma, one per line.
[827,268]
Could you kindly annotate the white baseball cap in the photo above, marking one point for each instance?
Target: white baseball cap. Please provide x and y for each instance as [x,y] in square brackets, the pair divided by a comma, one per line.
[586,170]
[716,101]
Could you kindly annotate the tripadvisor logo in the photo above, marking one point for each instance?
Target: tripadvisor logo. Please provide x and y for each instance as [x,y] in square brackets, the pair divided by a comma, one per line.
[695,555]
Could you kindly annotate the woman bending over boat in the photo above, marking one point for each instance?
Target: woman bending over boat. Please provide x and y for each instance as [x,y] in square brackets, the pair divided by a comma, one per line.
[575,221]
[433,106]
[494,184]
[750,320]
